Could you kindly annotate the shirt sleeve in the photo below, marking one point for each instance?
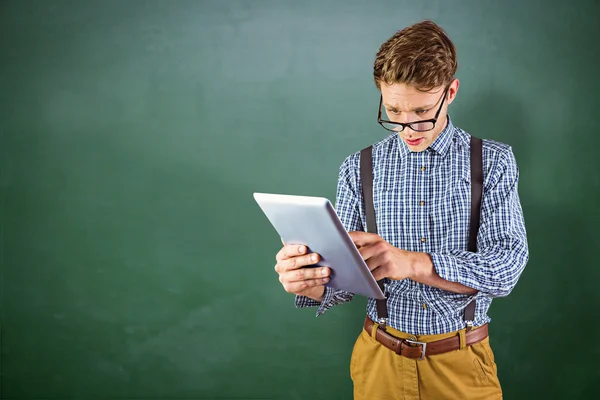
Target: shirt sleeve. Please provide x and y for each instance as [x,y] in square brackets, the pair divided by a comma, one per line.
[501,241]
[348,210]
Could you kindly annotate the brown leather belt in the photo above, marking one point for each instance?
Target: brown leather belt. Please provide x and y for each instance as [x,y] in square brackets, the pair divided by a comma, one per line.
[418,350]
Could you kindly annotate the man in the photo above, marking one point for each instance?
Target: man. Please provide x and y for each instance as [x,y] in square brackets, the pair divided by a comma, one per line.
[426,348]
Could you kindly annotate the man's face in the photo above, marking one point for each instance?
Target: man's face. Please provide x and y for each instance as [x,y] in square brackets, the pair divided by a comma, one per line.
[404,103]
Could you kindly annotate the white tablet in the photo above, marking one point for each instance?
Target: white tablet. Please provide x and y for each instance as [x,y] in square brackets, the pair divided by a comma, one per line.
[312,221]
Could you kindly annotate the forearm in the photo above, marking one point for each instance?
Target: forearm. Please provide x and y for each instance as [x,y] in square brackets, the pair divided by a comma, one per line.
[493,270]
[423,271]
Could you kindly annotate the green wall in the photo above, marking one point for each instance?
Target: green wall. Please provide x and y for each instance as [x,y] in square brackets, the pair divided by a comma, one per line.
[134,261]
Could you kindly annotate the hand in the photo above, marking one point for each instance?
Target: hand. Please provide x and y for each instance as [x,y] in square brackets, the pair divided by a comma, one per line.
[297,280]
[383,259]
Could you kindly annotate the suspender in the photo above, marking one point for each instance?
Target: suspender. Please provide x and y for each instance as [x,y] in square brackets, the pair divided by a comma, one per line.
[476,194]
[366,174]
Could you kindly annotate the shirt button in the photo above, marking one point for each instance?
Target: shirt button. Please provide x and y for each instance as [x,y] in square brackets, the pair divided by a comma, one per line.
[422,168]
[422,203]
[423,240]
[424,305]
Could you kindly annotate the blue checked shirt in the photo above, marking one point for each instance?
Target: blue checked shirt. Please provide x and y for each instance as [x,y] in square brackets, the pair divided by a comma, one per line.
[423,203]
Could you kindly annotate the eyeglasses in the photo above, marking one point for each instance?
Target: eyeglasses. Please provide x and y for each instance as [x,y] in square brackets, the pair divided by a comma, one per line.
[417,126]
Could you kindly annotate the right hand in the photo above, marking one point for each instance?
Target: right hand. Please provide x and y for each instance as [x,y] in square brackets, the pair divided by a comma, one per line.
[297,280]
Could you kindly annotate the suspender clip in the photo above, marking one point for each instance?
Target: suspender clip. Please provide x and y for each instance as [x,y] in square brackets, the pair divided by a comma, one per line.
[382,323]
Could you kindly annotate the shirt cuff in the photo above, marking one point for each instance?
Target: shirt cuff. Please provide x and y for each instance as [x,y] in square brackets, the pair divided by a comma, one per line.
[324,305]
[446,267]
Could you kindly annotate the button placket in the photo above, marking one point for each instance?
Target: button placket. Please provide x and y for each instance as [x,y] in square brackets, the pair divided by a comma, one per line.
[422,194]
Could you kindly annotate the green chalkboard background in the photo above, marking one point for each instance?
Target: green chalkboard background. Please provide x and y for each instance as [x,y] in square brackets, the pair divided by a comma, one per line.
[134,261]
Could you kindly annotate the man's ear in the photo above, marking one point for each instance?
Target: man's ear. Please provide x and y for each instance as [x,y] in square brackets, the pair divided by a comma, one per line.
[453,90]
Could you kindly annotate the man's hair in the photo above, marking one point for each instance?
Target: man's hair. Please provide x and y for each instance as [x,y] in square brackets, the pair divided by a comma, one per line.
[420,55]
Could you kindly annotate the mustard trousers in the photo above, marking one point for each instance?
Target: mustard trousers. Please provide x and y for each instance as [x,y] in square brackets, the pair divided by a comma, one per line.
[380,374]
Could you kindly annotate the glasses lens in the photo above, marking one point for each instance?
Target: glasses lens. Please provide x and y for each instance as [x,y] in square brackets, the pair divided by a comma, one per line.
[392,127]
[422,126]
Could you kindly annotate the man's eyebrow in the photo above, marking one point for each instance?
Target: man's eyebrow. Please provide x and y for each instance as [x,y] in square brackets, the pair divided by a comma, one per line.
[427,107]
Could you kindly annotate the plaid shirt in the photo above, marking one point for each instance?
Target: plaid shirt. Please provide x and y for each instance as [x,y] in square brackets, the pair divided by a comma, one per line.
[422,203]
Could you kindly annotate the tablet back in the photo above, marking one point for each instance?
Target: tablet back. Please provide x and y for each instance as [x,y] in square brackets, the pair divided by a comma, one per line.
[312,221]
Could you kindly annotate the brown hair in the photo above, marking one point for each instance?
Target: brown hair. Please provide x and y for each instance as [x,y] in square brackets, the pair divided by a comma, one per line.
[420,55]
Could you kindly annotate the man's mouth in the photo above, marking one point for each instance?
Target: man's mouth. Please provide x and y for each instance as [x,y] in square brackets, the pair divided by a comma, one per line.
[414,142]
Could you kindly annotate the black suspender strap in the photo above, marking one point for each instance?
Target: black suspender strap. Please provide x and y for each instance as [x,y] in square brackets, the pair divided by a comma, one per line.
[366,175]
[476,193]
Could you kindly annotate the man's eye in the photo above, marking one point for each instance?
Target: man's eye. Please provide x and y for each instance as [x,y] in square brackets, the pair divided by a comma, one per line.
[392,111]
[421,112]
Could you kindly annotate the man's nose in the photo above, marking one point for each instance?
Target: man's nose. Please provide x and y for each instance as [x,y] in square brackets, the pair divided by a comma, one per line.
[404,118]
[408,131]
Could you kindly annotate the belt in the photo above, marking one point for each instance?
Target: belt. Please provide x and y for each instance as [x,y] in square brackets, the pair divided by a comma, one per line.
[418,350]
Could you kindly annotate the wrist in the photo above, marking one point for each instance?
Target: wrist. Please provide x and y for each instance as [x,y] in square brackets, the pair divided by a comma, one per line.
[420,266]
[317,293]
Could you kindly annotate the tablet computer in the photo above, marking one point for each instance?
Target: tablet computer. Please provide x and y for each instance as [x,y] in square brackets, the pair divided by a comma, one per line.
[313,222]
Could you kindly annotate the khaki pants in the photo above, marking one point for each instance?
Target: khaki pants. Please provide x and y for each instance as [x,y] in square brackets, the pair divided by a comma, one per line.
[379,373]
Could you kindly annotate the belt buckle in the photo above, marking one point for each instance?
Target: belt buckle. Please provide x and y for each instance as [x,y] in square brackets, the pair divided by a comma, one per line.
[423,348]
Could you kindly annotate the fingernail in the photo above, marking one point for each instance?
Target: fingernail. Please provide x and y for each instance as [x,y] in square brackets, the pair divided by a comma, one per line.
[301,249]
[324,271]
[313,257]
[325,279]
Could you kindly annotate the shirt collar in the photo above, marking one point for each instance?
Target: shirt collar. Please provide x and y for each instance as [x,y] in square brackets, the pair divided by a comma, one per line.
[440,145]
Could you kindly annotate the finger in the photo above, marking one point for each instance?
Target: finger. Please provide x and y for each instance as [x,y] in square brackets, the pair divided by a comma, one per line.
[361,239]
[298,262]
[377,249]
[293,263]
[378,266]
[302,274]
[295,287]
[288,251]
[379,273]
[369,251]
[374,262]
